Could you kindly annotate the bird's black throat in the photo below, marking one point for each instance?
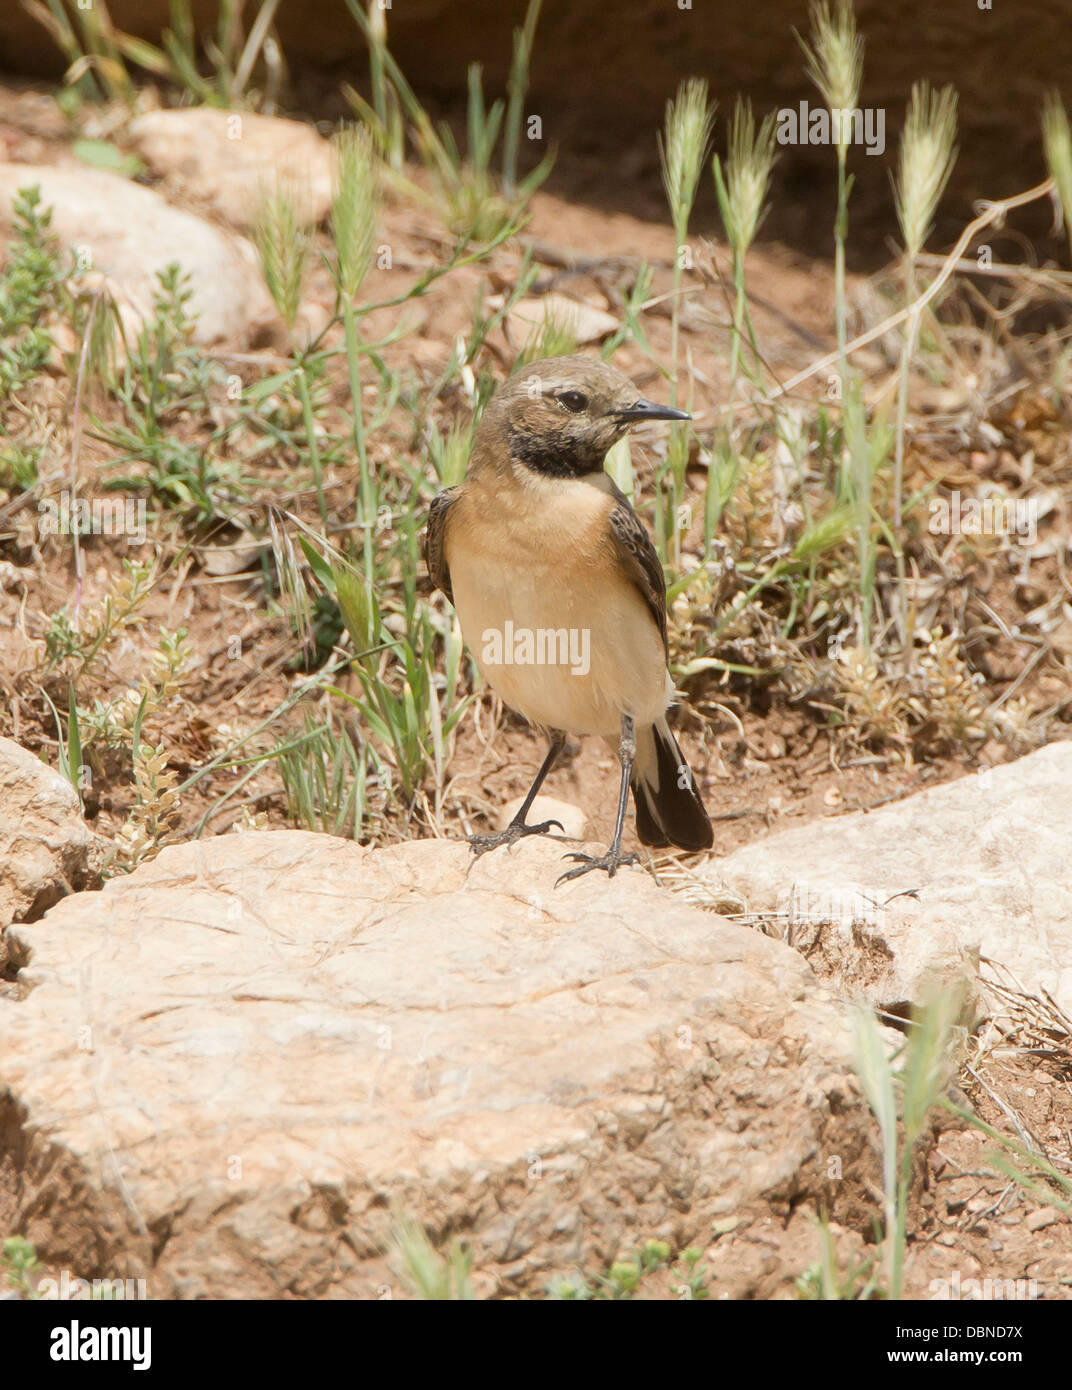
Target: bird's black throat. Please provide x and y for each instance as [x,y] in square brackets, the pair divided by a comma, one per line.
[554,455]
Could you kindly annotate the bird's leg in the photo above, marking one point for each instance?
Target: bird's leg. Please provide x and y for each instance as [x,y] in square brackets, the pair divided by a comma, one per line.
[517,829]
[614,858]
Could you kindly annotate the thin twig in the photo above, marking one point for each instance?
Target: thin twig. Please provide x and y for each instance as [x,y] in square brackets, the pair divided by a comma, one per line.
[993,213]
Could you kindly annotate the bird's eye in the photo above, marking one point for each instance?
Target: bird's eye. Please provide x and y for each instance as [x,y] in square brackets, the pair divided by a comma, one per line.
[573,400]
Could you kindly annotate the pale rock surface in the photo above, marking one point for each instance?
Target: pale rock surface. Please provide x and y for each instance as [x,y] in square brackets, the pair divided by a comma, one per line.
[125,235]
[45,848]
[230,160]
[230,1065]
[976,868]
[587,323]
[572,819]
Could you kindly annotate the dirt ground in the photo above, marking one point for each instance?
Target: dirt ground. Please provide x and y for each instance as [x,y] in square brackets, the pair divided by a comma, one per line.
[764,756]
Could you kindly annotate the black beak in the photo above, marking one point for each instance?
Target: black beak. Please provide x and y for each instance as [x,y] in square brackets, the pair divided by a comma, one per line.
[649,410]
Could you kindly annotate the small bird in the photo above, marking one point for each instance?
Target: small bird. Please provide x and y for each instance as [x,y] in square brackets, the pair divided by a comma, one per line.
[559,589]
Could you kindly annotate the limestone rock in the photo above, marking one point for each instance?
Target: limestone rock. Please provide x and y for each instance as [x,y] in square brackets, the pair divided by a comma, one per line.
[587,323]
[127,234]
[977,867]
[45,848]
[231,1064]
[572,819]
[231,159]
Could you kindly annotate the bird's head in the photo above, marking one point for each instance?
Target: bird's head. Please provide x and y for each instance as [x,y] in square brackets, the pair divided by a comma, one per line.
[560,415]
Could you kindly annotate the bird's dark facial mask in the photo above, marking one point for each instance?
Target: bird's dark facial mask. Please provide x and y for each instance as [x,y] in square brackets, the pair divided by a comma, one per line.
[564,429]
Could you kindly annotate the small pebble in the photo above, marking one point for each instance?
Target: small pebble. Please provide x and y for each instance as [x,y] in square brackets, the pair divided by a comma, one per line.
[1039,1220]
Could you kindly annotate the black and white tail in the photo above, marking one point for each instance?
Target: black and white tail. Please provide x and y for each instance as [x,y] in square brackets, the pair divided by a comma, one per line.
[668,806]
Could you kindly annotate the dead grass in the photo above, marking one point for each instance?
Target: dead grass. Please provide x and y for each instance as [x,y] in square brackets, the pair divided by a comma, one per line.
[831,658]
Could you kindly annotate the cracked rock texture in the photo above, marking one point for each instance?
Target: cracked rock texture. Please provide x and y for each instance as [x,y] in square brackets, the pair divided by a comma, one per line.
[977,868]
[45,848]
[227,1068]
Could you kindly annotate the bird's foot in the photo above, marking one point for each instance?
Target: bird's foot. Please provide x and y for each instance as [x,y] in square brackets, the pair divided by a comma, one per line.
[612,861]
[480,844]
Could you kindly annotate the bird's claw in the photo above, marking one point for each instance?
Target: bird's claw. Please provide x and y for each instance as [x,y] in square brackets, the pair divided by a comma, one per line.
[612,861]
[481,844]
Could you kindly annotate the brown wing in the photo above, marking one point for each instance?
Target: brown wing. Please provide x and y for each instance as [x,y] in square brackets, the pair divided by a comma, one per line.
[434,554]
[639,559]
